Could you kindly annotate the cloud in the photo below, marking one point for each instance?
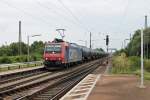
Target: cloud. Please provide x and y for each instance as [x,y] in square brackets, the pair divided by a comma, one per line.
[118,18]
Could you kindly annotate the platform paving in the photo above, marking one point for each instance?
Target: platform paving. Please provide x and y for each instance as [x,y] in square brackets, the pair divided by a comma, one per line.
[119,87]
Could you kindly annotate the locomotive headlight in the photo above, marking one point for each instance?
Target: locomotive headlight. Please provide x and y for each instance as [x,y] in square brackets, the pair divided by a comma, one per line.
[59,58]
[46,58]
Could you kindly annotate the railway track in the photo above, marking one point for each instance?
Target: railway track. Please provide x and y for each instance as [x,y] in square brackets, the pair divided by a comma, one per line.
[54,93]
[19,75]
[60,89]
[38,86]
[52,89]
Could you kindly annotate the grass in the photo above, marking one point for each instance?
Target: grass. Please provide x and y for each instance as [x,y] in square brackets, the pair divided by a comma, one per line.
[121,64]
[146,74]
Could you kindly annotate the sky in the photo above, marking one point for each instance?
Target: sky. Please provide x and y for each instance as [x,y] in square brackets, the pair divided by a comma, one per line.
[117,18]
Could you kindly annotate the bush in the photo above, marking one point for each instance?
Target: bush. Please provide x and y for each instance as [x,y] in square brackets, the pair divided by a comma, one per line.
[22,58]
[36,57]
[120,64]
[146,74]
[13,59]
[147,65]
[18,59]
[33,58]
[5,59]
[134,63]
[131,63]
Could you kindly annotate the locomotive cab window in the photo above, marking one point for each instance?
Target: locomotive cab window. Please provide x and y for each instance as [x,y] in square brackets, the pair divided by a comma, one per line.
[53,48]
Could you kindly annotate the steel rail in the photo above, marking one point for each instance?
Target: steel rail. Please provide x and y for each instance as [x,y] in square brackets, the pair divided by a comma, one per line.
[81,73]
[29,85]
[16,76]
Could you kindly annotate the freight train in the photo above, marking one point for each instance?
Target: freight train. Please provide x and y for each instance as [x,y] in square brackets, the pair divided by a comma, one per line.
[59,54]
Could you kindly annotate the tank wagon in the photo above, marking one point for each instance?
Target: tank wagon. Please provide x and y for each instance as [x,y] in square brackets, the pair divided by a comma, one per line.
[59,54]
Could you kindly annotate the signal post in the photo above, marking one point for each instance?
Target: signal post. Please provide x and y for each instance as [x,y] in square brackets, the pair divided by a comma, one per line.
[107,43]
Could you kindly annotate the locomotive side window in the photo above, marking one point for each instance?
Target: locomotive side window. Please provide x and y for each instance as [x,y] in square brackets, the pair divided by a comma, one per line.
[53,48]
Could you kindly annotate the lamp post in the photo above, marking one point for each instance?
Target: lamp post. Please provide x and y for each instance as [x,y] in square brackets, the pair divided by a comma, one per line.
[28,40]
[142,69]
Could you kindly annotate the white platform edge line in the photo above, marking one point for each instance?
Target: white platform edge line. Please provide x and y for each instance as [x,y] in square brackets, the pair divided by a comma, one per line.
[67,94]
[84,98]
[78,94]
[81,90]
[98,77]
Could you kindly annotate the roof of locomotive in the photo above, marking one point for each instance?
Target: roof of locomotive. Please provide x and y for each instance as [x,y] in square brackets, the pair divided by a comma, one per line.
[60,41]
[56,41]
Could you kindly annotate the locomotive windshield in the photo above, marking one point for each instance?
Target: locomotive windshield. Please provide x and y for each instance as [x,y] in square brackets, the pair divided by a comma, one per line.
[53,48]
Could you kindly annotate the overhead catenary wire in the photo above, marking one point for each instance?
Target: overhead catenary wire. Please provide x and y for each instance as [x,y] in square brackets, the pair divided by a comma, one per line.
[56,13]
[25,12]
[73,15]
[37,18]
[68,13]
[21,10]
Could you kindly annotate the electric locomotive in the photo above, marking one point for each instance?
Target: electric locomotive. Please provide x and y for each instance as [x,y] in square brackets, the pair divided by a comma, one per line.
[59,54]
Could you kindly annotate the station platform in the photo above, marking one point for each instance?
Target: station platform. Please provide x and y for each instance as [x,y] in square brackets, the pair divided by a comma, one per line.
[19,70]
[109,87]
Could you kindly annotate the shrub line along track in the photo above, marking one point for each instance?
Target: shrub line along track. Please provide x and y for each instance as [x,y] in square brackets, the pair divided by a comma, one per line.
[31,87]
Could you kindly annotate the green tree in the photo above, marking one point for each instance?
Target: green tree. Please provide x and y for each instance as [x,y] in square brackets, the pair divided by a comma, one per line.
[134,47]
[4,50]
[36,50]
[37,47]
[14,48]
